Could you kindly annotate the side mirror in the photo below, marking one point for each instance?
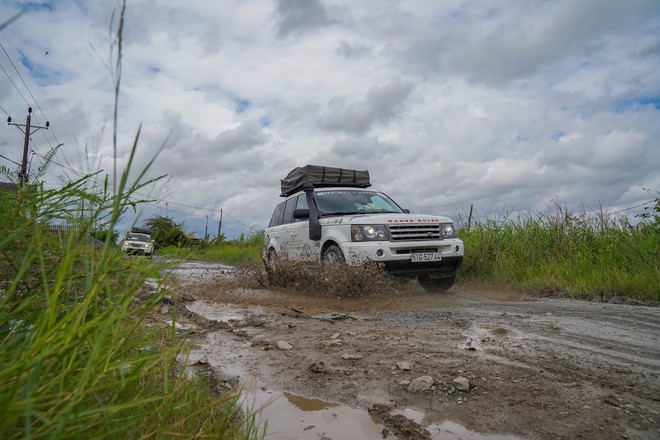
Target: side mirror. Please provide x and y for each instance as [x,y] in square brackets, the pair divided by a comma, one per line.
[301,214]
[407,211]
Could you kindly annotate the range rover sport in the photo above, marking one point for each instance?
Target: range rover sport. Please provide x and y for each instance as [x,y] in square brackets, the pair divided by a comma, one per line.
[329,215]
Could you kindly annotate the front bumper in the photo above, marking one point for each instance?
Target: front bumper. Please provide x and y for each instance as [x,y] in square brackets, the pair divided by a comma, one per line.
[137,250]
[395,257]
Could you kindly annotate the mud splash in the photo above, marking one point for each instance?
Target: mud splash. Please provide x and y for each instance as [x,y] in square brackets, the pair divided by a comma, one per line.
[330,280]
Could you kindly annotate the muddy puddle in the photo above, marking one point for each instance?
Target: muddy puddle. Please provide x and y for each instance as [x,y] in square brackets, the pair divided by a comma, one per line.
[287,415]
[217,312]
[200,272]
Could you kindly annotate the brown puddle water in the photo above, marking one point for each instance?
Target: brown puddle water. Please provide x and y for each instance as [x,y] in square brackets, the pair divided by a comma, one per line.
[289,416]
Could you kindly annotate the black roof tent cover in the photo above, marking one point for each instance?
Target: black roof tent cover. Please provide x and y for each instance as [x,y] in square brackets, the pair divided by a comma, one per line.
[321,176]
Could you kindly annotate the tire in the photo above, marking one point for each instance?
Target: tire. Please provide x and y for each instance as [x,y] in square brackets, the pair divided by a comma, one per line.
[271,257]
[333,256]
[436,284]
[270,261]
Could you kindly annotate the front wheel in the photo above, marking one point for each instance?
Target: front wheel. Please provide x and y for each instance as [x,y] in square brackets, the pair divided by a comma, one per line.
[436,284]
[333,255]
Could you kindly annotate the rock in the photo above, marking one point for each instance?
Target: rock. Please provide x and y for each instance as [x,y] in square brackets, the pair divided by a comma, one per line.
[351,356]
[421,383]
[335,336]
[283,345]
[461,383]
[404,366]
[332,342]
[319,368]
[404,383]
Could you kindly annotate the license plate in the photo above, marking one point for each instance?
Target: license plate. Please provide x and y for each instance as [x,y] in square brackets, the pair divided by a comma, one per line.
[419,257]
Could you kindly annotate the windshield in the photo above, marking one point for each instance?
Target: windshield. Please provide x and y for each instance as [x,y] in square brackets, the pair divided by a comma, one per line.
[354,202]
[139,237]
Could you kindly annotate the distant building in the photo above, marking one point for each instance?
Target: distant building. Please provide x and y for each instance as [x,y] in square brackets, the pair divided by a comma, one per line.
[192,237]
[9,187]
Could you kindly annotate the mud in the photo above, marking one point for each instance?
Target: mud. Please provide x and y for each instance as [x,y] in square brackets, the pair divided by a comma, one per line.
[535,368]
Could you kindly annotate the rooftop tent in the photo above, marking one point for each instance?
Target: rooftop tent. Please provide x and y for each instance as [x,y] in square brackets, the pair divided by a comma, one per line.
[321,176]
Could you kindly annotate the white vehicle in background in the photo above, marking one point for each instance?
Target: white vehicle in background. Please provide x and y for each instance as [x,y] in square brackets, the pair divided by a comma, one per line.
[138,242]
[330,216]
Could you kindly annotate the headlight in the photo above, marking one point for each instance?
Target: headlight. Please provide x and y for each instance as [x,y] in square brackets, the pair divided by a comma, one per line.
[448,230]
[368,233]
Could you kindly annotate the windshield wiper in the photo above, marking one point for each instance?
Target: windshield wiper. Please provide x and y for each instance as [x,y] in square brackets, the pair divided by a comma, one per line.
[341,213]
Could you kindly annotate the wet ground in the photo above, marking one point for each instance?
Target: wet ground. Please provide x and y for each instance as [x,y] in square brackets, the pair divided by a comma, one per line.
[396,362]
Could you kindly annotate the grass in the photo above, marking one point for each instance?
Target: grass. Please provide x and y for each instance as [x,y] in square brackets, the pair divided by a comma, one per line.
[589,254]
[245,252]
[77,359]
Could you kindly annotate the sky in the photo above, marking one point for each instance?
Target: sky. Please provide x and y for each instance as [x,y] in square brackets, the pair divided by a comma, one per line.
[503,105]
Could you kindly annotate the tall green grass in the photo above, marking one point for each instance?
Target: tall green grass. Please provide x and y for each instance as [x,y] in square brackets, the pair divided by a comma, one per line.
[589,253]
[77,360]
[244,251]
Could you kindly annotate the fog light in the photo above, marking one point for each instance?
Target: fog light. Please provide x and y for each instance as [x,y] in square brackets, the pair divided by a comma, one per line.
[379,253]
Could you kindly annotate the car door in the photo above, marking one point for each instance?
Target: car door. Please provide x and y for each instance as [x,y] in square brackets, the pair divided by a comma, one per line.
[307,249]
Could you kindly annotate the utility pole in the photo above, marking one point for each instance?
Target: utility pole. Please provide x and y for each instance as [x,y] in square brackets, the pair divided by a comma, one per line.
[220,224]
[206,229]
[23,174]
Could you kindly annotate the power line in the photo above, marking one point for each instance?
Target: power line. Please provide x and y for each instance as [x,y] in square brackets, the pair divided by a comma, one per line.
[28,90]
[6,158]
[97,179]
[14,84]
[6,112]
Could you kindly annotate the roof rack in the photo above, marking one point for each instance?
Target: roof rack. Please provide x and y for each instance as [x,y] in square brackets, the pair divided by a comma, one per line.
[321,176]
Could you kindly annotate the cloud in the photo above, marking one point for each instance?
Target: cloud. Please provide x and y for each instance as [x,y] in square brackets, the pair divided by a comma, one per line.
[379,105]
[299,16]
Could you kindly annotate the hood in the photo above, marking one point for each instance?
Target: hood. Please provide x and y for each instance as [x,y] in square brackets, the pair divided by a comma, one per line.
[392,219]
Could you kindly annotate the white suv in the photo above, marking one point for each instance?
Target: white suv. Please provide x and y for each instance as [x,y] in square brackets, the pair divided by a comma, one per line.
[137,243]
[330,216]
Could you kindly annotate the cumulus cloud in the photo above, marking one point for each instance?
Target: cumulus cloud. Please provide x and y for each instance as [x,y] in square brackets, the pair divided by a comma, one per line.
[379,105]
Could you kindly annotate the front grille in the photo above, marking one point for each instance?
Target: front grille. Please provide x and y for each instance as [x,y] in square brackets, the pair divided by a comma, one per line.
[414,232]
[410,251]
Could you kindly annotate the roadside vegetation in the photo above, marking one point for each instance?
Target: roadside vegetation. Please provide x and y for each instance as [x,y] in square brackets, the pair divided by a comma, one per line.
[78,360]
[588,253]
[244,252]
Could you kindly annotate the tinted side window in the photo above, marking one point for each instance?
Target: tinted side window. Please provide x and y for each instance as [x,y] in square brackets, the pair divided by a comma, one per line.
[276,219]
[288,211]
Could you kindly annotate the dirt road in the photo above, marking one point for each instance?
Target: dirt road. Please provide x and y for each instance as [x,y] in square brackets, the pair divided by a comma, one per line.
[474,362]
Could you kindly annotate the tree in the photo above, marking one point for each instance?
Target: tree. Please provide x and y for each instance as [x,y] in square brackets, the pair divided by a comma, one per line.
[101,234]
[165,231]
